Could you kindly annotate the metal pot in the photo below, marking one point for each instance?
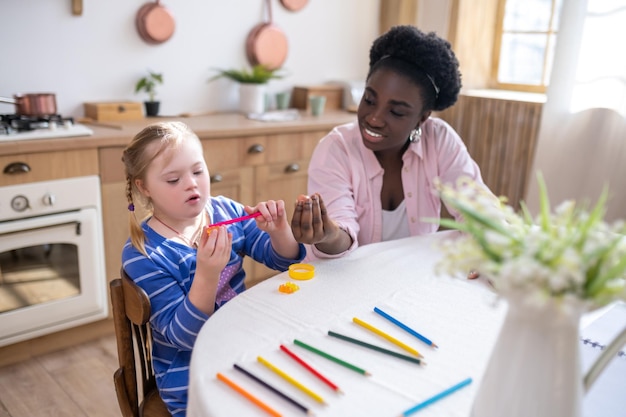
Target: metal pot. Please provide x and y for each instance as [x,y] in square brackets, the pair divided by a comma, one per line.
[155,24]
[37,104]
[294,5]
[266,43]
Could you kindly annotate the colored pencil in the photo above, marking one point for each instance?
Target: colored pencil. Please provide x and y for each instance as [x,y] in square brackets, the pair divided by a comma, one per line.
[310,369]
[331,358]
[377,348]
[249,396]
[386,336]
[238,219]
[271,388]
[405,327]
[291,380]
[436,397]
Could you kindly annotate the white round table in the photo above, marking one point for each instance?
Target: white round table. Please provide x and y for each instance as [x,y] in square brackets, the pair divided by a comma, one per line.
[459,315]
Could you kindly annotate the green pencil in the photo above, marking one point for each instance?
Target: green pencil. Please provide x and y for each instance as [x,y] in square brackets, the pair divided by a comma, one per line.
[331,358]
[377,348]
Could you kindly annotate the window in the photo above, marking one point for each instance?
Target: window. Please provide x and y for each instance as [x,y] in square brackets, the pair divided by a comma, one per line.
[524,46]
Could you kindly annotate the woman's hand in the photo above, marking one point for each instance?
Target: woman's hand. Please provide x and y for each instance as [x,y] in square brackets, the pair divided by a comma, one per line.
[310,223]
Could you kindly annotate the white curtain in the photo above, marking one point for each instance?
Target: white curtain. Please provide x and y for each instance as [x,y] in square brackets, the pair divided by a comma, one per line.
[582,138]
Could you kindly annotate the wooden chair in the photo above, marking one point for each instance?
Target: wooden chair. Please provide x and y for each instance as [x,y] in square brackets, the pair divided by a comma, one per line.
[137,393]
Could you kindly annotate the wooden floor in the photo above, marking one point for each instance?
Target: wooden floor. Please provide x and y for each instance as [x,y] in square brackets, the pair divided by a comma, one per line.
[76,382]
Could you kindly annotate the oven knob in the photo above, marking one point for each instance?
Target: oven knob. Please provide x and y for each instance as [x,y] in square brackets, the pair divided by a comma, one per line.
[49,199]
[19,203]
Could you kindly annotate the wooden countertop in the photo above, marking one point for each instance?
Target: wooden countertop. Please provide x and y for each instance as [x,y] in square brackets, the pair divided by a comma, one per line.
[220,125]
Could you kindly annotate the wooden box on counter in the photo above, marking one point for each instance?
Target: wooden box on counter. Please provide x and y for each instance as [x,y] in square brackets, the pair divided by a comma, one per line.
[333,93]
[113,111]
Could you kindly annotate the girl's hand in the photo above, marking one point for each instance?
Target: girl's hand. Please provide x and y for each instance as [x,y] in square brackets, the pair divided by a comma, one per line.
[273,216]
[213,252]
[212,256]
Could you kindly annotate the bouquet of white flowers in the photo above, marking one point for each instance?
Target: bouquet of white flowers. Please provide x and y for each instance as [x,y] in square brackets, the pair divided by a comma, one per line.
[569,254]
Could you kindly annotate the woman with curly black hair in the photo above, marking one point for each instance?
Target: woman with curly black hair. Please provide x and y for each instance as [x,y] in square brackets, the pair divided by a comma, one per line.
[376,176]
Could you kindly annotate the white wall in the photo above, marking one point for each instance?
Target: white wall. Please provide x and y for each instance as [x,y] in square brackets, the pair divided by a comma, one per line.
[434,16]
[99,56]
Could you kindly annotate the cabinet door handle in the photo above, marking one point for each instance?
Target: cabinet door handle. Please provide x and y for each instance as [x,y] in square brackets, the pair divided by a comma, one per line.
[216,178]
[256,149]
[292,168]
[16,168]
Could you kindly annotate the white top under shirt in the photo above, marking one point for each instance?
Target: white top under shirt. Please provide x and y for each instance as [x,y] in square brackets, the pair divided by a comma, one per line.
[396,223]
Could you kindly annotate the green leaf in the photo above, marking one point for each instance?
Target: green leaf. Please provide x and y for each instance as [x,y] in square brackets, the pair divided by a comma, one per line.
[596,284]
[544,203]
[469,213]
[258,74]
[148,84]
[528,217]
[595,217]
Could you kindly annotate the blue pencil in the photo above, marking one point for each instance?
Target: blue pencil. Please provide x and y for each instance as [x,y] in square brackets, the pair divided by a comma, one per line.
[405,327]
[436,398]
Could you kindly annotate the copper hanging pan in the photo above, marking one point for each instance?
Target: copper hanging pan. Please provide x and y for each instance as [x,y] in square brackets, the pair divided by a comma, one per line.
[155,24]
[294,5]
[266,43]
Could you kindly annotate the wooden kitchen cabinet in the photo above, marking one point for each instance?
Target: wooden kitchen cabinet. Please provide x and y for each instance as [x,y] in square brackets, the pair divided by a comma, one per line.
[114,208]
[46,166]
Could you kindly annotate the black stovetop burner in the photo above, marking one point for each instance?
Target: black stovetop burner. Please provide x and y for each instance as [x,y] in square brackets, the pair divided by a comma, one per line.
[11,123]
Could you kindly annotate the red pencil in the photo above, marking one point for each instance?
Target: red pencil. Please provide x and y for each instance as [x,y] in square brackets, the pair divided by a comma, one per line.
[310,369]
[238,219]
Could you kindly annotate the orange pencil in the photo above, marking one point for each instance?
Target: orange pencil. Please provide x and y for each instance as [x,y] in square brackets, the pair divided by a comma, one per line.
[249,396]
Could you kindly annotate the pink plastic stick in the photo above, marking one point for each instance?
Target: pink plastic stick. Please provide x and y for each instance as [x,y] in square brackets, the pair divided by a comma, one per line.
[238,219]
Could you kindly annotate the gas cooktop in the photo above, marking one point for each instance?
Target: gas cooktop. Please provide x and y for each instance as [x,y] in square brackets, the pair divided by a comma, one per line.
[18,127]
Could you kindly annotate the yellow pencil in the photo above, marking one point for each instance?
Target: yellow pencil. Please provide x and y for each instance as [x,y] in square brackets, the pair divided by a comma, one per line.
[388,337]
[291,380]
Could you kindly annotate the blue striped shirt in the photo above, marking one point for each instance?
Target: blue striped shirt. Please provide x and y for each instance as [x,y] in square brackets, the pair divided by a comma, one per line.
[166,276]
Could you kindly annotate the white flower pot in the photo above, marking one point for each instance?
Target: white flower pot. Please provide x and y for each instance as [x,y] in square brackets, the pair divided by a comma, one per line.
[252,98]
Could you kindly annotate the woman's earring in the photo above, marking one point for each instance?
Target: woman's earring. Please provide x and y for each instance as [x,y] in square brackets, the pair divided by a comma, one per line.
[416,134]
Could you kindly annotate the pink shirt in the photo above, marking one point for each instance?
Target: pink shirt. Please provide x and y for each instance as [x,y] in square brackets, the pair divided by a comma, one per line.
[349,178]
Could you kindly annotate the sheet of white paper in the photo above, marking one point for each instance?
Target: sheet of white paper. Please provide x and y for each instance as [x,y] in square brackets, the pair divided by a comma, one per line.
[606,397]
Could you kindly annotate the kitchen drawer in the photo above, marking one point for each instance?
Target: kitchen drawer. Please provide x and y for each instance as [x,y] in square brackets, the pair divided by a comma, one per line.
[235,183]
[47,166]
[234,152]
[111,165]
[282,181]
[292,146]
[221,154]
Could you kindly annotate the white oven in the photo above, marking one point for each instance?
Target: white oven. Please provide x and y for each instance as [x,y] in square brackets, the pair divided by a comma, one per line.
[51,257]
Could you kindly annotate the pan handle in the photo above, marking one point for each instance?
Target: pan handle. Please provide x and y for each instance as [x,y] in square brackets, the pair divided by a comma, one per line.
[8,100]
[268,10]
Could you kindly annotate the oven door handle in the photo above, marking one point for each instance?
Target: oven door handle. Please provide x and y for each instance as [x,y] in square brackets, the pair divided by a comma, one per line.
[75,222]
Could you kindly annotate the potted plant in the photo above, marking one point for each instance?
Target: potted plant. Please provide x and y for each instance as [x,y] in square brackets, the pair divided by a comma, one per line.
[252,82]
[148,85]
[551,269]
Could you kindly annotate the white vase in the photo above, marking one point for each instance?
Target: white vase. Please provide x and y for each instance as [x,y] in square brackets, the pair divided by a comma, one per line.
[252,98]
[534,369]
